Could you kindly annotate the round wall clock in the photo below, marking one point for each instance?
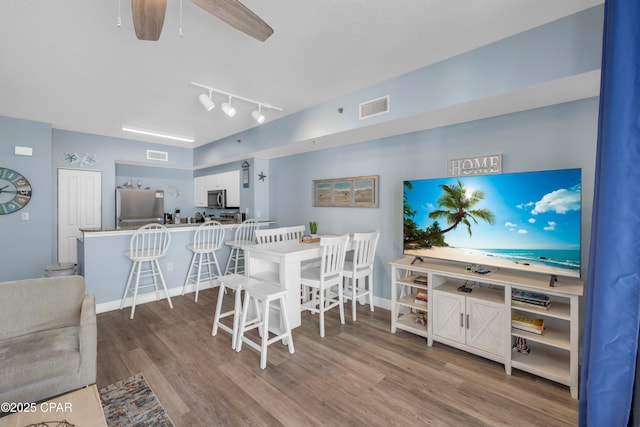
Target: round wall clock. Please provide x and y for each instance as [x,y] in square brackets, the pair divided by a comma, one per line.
[15,191]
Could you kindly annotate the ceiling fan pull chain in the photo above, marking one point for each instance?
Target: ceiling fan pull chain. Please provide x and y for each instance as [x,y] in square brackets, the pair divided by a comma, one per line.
[180,30]
[119,20]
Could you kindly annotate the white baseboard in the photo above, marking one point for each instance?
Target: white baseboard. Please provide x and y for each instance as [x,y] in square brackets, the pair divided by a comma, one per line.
[151,297]
[146,297]
[382,303]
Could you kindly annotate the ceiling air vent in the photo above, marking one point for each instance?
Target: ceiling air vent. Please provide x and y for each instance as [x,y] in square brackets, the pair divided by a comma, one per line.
[157,155]
[374,107]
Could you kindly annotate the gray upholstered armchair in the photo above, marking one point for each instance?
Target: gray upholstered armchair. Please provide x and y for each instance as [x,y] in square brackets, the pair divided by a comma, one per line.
[48,338]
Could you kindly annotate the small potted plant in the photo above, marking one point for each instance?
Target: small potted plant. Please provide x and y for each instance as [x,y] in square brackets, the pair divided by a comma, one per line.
[313,228]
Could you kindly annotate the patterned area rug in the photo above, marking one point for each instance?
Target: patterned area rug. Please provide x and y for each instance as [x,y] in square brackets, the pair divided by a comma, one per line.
[131,402]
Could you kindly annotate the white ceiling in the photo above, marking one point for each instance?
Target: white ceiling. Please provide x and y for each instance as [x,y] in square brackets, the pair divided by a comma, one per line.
[68,64]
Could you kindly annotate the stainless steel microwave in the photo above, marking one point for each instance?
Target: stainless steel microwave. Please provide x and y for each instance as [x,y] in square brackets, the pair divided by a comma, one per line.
[217,199]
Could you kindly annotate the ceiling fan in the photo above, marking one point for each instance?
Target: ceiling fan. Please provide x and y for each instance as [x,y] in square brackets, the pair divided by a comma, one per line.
[148,17]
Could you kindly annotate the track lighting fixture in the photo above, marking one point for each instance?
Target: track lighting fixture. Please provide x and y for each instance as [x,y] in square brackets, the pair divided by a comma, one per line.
[206,101]
[257,115]
[227,108]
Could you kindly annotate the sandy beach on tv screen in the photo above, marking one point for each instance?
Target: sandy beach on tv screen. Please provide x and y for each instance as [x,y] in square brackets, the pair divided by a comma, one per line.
[468,256]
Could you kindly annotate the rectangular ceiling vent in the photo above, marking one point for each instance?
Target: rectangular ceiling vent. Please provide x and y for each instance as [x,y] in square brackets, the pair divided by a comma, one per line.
[374,107]
[162,156]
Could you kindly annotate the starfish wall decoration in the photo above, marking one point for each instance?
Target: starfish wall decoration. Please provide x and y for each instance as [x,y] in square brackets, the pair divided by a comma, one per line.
[70,157]
[262,176]
[87,159]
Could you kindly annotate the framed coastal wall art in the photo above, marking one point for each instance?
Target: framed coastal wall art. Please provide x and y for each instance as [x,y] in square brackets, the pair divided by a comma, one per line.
[354,192]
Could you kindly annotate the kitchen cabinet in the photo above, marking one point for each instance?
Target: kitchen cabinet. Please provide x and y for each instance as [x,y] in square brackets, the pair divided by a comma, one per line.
[229,181]
[200,189]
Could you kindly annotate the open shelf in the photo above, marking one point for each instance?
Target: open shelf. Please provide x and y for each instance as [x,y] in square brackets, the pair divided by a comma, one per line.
[555,337]
[409,281]
[543,361]
[410,301]
[407,322]
[558,310]
[405,310]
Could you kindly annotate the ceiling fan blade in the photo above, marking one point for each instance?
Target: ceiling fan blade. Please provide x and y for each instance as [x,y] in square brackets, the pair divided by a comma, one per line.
[148,18]
[238,16]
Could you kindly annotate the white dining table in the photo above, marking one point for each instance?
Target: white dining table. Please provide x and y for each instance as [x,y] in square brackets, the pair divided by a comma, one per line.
[280,263]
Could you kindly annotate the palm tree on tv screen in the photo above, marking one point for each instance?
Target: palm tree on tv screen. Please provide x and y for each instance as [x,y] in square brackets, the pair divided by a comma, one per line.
[457,207]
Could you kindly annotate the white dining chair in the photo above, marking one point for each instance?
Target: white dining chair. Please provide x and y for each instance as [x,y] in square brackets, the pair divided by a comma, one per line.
[358,272]
[148,244]
[207,239]
[245,235]
[293,233]
[326,280]
[269,235]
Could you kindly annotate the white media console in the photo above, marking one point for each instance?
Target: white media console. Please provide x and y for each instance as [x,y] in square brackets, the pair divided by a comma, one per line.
[480,321]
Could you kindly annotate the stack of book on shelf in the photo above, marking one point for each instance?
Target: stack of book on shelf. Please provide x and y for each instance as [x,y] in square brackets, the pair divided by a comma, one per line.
[421,297]
[530,299]
[421,280]
[529,324]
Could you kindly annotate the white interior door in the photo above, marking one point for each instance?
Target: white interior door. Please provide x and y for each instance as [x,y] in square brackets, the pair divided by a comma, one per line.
[79,206]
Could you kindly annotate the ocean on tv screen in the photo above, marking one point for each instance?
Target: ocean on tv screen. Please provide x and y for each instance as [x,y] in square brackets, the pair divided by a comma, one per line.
[528,220]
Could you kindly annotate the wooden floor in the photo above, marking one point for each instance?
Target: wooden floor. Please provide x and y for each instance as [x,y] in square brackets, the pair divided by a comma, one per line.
[359,374]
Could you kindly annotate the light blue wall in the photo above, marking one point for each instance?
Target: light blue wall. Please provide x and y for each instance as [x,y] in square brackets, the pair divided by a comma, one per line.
[558,137]
[31,245]
[260,187]
[176,183]
[561,136]
[111,151]
[27,245]
[560,49]
[554,137]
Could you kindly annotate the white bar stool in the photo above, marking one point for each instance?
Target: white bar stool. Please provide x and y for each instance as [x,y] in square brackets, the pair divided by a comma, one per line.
[207,240]
[237,283]
[148,244]
[264,293]
[245,235]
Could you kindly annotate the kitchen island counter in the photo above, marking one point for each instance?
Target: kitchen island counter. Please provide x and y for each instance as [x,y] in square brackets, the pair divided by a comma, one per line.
[88,232]
[102,261]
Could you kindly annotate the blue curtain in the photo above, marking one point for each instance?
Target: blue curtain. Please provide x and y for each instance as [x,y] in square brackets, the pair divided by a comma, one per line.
[612,302]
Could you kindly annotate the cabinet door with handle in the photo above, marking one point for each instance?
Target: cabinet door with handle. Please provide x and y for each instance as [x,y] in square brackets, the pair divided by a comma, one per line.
[200,191]
[484,322]
[449,316]
[231,183]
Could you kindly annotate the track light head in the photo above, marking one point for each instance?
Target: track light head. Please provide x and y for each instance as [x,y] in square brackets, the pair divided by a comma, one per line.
[228,109]
[206,102]
[257,115]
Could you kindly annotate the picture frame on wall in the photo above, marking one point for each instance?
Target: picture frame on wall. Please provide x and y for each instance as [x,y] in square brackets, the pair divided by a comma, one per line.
[353,192]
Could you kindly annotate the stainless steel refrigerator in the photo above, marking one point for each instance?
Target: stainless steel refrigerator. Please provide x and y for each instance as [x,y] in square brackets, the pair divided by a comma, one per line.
[135,208]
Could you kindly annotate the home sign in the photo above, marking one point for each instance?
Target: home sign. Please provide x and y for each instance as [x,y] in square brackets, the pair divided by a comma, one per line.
[483,165]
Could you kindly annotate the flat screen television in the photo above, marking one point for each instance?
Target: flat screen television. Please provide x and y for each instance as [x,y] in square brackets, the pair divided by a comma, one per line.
[525,221]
